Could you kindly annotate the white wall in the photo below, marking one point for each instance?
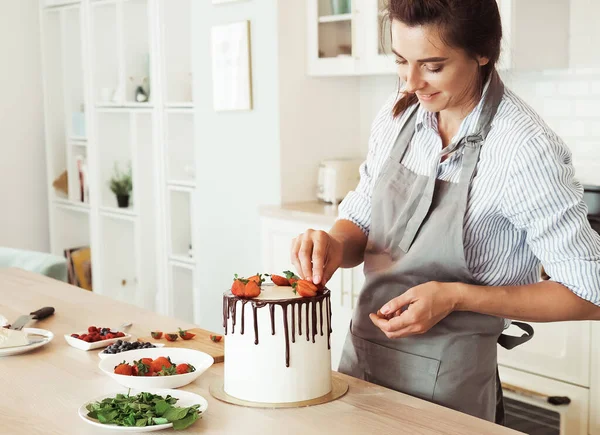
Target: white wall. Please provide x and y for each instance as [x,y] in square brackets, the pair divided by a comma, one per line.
[237,156]
[23,191]
[569,101]
[268,155]
[317,114]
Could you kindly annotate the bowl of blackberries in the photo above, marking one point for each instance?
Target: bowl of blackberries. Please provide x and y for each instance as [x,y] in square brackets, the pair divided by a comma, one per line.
[121,346]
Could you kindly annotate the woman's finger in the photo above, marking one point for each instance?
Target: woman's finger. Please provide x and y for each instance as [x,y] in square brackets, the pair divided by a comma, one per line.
[305,255]
[319,252]
[296,243]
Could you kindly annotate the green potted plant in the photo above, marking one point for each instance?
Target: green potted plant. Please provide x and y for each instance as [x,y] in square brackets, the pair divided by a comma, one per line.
[121,185]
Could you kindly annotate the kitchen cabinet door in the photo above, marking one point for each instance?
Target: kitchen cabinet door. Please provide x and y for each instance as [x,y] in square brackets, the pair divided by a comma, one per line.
[558,350]
[375,47]
[332,36]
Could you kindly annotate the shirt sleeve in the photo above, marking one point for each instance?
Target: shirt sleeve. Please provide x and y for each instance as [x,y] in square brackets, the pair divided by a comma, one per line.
[543,199]
[356,206]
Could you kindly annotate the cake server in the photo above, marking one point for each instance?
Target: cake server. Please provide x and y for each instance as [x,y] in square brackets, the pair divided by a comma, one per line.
[40,314]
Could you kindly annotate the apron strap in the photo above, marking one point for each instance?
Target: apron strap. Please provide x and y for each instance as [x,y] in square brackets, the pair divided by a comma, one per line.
[405,135]
[510,342]
[470,158]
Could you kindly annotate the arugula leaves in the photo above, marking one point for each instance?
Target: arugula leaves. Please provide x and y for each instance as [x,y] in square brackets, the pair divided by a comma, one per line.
[143,409]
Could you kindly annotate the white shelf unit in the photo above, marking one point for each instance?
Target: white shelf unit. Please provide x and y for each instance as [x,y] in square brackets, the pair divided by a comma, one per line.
[179,175]
[63,64]
[176,51]
[179,129]
[180,220]
[122,51]
[95,55]
[183,290]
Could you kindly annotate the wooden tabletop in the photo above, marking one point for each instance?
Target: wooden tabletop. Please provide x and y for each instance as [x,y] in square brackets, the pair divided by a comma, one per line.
[41,391]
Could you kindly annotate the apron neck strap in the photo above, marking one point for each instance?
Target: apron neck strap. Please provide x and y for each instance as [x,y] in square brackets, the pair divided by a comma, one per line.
[406,133]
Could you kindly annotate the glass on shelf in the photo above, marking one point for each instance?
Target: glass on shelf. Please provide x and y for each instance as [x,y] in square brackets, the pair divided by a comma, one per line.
[334,7]
[339,7]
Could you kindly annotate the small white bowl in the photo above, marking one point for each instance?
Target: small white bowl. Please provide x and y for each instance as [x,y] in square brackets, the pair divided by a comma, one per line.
[200,360]
[84,345]
[103,355]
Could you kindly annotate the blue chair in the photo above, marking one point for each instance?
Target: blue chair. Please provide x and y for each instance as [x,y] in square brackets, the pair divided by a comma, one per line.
[43,263]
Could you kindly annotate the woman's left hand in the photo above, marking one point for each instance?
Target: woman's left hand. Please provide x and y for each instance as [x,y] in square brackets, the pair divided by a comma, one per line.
[417,310]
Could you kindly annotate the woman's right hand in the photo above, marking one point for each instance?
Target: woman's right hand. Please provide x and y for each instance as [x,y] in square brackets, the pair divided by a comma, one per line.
[316,255]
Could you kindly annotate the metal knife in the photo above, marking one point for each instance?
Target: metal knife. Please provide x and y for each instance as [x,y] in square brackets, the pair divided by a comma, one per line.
[40,314]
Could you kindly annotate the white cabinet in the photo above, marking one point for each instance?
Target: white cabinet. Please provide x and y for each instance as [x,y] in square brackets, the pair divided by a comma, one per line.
[277,235]
[355,39]
[348,37]
[572,418]
[595,381]
[99,59]
[557,350]
[535,34]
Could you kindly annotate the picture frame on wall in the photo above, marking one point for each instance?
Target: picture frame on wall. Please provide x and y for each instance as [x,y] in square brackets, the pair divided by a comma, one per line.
[231,67]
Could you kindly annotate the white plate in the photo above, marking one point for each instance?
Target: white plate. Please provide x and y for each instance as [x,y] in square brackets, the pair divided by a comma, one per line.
[84,345]
[185,399]
[104,355]
[48,336]
[200,360]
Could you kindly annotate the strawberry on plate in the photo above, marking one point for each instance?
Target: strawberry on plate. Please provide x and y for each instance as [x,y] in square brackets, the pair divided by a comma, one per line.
[186,335]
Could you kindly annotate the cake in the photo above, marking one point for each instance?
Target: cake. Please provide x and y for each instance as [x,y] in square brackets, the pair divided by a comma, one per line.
[12,338]
[277,345]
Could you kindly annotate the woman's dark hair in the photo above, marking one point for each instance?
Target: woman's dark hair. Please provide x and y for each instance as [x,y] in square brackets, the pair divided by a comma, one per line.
[472,25]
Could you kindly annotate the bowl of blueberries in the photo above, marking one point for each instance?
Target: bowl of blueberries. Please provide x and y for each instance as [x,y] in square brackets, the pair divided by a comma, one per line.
[121,346]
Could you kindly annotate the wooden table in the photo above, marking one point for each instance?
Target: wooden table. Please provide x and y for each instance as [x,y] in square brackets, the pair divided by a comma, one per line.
[41,391]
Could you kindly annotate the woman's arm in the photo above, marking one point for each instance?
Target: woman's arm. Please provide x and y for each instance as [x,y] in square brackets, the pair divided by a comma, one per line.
[429,303]
[541,199]
[545,301]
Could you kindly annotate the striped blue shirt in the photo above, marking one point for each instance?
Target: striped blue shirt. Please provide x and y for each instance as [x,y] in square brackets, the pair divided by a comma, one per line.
[525,208]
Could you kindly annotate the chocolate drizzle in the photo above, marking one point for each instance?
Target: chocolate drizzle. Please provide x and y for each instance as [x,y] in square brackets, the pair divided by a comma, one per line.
[230,311]
[243,311]
[293,323]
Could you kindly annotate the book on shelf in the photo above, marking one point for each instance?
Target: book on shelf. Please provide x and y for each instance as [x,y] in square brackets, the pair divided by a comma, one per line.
[79,266]
[82,170]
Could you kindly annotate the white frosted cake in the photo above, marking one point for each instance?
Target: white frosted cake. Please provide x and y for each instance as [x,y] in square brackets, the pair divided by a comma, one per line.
[277,347]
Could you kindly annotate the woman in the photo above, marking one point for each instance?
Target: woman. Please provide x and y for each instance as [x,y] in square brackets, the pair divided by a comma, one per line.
[464,192]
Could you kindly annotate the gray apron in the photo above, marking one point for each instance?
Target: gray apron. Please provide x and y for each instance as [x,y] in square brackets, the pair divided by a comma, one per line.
[417,236]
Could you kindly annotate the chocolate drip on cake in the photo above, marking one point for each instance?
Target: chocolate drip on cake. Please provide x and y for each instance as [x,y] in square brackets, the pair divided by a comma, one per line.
[230,311]
[272,311]
[293,324]
[243,311]
[328,303]
[307,324]
[300,319]
[314,320]
[321,316]
[254,308]
[287,336]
